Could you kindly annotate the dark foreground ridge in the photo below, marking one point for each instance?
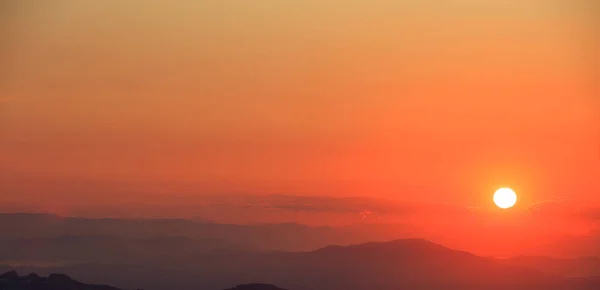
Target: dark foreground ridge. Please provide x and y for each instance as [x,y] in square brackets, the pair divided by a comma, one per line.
[12,281]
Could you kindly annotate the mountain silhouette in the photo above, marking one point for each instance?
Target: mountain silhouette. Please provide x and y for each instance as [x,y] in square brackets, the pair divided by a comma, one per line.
[12,281]
[269,237]
[414,264]
[107,249]
[34,228]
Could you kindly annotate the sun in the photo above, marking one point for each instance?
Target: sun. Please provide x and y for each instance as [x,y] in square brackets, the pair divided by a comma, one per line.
[505,198]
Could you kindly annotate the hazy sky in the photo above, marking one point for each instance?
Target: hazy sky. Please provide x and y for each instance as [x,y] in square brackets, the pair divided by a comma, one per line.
[411,100]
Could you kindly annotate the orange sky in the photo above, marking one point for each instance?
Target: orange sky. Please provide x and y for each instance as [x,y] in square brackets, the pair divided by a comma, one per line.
[425,101]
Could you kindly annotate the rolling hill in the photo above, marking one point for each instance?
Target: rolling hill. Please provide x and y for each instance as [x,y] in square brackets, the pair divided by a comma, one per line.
[401,264]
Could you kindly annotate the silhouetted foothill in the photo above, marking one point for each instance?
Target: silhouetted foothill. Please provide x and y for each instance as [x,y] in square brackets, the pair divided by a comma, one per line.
[32,276]
[255,286]
[60,280]
[12,281]
[12,275]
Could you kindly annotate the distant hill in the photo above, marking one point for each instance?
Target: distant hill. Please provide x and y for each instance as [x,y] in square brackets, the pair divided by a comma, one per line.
[175,254]
[12,281]
[286,237]
[107,249]
[269,237]
[414,264]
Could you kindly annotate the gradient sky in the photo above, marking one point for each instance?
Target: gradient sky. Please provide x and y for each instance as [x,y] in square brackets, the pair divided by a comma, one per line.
[423,101]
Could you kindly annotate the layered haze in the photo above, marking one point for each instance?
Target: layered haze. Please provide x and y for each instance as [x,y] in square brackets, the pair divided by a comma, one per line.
[404,115]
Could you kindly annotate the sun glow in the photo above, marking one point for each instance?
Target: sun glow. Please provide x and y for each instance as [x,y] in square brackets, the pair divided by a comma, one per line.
[505,198]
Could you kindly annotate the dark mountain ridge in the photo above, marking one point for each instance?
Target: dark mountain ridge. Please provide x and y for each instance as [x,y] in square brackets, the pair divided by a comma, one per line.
[12,281]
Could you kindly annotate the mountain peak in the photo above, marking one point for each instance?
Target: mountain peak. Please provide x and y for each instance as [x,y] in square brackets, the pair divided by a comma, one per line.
[408,244]
[11,280]
[9,275]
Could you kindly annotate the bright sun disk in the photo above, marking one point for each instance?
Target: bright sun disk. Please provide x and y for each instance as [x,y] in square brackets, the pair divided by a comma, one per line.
[505,198]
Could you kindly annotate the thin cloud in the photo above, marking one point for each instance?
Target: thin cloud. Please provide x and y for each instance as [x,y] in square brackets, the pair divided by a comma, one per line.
[362,206]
